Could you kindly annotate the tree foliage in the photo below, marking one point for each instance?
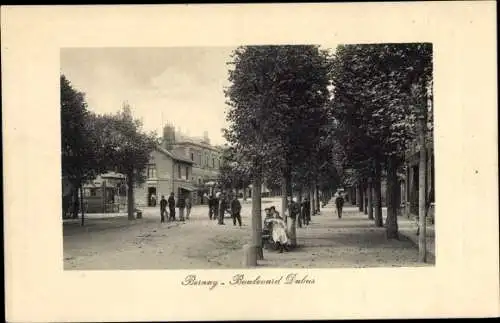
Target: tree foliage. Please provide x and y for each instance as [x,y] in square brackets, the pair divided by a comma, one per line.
[377,88]
[277,103]
[379,92]
[77,151]
[92,144]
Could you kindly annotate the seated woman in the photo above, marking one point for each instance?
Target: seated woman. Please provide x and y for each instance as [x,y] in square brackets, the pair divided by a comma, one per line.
[279,234]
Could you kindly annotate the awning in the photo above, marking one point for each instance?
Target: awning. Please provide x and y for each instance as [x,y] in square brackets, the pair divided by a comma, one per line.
[187,187]
[210,183]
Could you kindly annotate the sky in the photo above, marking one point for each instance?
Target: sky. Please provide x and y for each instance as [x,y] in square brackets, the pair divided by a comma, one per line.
[179,85]
[182,86]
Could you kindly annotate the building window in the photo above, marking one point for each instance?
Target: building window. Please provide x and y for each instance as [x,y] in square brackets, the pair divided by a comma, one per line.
[179,172]
[192,156]
[199,180]
[213,162]
[151,171]
[187,173]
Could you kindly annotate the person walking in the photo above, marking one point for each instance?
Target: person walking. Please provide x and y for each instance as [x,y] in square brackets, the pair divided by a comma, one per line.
[181,204]
[153,200]
[210,206]
[163,208]
[171,206]
[339,203]
[222,207]
[216,206]
[236,211]
[189,204]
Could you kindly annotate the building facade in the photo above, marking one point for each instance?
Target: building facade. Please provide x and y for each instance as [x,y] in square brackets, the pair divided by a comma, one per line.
[410,190]
[205,159]
[166,172]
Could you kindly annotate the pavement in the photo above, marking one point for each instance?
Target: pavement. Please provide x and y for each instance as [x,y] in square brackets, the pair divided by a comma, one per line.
[111,241]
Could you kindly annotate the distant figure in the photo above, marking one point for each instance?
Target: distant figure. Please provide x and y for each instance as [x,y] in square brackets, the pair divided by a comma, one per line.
[223,204]
[306,211]
[293,208]
[236,211]
[339,203]
[216,205]
[153,200]
[181,204]
[211,207]
[163,208]
[171,206]
[189,204]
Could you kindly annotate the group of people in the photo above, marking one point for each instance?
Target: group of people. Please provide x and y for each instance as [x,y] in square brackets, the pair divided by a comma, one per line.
[220,203]
[183,203]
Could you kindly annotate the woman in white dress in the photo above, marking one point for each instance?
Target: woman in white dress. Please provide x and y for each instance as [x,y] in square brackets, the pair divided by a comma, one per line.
[279,230]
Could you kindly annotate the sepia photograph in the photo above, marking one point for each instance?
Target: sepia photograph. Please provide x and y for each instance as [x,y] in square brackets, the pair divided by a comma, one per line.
[289,156]
[160,160]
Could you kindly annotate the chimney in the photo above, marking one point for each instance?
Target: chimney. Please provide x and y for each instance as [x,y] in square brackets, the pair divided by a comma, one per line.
[205,137]
[168,136]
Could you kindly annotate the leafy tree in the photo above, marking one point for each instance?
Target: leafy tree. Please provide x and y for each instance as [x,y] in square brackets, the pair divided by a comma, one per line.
[373,103]
[126,148]
[234,172]
[77,152]
[277,105]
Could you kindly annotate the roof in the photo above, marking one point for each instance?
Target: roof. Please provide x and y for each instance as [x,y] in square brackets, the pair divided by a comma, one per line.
[174,156]
[196,143]
[113,175]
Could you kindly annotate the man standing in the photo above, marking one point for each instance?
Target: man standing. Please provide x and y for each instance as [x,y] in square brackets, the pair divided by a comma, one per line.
[163,208]
[153,200]
[222,207]
[171,206]
[216,205]
[236,210]
[211,201]
[188,206]
[181,204]
[306,211]
[339,203]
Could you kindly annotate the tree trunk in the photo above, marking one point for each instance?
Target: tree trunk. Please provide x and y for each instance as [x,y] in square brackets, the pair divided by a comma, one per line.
[299,200]
[360,198]
[379,222]
[370,199]
[365,198]
[422,168]
[257,216]
[81,203]
[286,192]
[318,205]
[76,203]
[311,200]
[359,202]
[245,193]
[391,222]
[354,195]
[130,195]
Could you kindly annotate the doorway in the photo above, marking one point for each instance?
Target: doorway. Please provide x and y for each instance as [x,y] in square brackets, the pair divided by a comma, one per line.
[152,198]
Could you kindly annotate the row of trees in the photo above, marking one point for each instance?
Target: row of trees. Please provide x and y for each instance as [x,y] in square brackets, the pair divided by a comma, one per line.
[380,105]
[279,118]
[92,144]
[303,118]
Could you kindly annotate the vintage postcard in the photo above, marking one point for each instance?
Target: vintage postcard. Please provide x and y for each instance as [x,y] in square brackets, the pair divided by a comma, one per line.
[338,158]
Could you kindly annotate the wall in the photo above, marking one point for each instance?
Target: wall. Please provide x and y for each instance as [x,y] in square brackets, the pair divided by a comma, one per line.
[162,183]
